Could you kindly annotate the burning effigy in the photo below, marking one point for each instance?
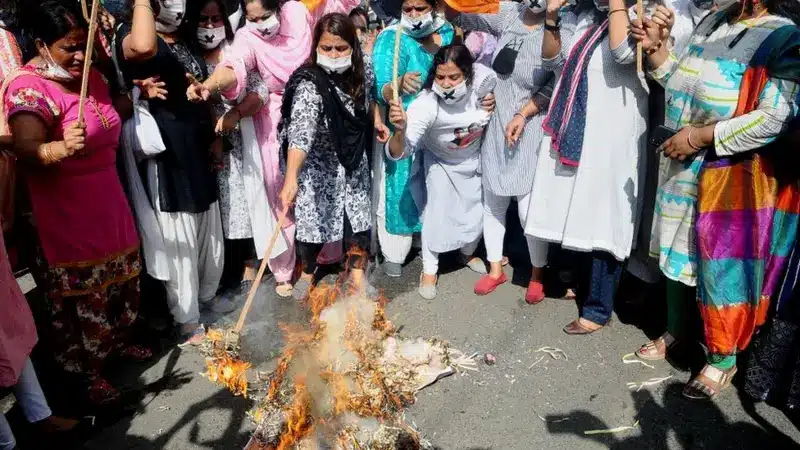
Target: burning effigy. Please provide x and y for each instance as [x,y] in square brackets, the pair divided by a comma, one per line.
[342,381]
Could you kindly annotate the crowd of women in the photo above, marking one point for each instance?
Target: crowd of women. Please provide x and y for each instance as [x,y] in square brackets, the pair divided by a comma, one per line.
[209,126]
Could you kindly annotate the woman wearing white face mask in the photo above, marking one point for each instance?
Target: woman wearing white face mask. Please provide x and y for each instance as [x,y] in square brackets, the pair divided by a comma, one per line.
[181,183]
[447,121]
[398,183]
[325,133]
[515,131]
[243,198]
[275,40]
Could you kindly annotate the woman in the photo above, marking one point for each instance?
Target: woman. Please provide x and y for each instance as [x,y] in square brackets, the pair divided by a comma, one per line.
[88,255]
[242,195]
[181,182]
[398,182]
[512,139]
[448,119]
[17,338]
[325,132]
[587,177]
[482,46]
[275,41]
[741,112]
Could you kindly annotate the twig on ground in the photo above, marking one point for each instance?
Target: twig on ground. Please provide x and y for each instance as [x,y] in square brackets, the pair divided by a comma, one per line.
[612,430]
[651,382]
[635,361]
[537,362]
[555,353]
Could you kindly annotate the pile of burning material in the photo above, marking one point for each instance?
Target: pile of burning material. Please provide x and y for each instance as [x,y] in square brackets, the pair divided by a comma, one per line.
[342,381]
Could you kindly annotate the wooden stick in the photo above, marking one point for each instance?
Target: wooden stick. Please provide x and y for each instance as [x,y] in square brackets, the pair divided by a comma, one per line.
[87,62]
[251,295]
[85,11]
[398,34]
[639,56]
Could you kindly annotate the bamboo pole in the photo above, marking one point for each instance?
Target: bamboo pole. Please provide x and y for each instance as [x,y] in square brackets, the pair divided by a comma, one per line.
[398,34]
[251,295]
[639,55]
[87,61]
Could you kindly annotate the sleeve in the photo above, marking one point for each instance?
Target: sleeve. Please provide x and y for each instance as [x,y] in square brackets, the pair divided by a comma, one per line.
[488,23]
[306,115]
[242,60]
[484,80]
[29,94]
[625,52]
[382,59]
[776,108]
[421,114]
[543,95]
[663,73]
[569,24]
[257,85]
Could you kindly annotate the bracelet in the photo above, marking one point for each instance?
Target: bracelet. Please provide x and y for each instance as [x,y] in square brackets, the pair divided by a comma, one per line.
[48,156]
[521,115]
[553,28]
[144,6]
[617,10]
[689,139]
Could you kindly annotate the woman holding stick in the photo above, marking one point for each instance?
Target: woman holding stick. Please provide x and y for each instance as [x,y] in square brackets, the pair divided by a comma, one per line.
[447,121]
[275,41]
[181,181]
[87,261]
[587,179]
[513,136]
[326,133]
[725,215]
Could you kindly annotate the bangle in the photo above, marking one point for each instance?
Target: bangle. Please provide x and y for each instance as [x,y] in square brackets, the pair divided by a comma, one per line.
[689,139]
[521,115]
[144,6]
[616,11]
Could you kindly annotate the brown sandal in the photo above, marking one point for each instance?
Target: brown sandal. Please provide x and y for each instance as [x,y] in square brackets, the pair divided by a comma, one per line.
[284,290]
[652,351]
[708,383]
[577,328]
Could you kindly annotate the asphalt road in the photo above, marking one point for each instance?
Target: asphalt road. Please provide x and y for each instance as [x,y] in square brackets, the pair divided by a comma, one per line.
[510,405]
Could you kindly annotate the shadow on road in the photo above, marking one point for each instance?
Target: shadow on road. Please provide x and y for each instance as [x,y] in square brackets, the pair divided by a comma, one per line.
[693,425]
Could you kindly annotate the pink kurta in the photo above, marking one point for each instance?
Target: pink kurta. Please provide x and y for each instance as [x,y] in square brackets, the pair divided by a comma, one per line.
[79,206]
[17,330]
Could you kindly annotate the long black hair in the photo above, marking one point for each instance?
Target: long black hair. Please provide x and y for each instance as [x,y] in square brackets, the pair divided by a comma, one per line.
[789,9]
[459,55]
[195,7]
[340,25]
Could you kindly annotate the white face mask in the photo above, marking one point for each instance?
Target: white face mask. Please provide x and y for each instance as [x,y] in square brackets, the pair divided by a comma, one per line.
[537,6]
[334,65]
[267,28]
[452,95]
[210,37]
[53,71]
[170,16]
[420,27]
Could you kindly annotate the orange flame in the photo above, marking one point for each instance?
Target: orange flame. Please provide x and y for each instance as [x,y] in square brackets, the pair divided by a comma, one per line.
[228,372]
[299,423]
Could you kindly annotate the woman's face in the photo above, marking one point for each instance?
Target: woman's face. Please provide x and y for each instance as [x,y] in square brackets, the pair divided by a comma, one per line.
[68,52]
[448,75]
[333,46]
[416,8]
[360,24]
[211,16]
[256,13]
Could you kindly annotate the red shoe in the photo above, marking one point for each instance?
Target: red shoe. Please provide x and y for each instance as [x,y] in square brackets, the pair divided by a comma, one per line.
[535,293]
[486,285]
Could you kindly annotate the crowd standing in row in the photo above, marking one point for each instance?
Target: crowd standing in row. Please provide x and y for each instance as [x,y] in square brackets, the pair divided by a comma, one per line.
[226,121]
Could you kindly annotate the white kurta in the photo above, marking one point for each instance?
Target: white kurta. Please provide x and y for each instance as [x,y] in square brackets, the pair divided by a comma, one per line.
[595,206]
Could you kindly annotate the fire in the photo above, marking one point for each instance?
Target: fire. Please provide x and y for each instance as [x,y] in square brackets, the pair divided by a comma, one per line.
[228,372]
[298,421]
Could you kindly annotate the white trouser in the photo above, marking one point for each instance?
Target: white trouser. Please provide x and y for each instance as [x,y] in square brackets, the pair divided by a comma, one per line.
[31,399]
[395,247]
[495,208]
[195,251]
[430,258]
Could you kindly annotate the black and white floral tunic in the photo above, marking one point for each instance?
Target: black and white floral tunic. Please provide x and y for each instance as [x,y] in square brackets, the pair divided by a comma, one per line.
[325,193]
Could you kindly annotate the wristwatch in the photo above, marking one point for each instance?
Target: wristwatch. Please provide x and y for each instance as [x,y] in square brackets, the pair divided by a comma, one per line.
[550,26]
